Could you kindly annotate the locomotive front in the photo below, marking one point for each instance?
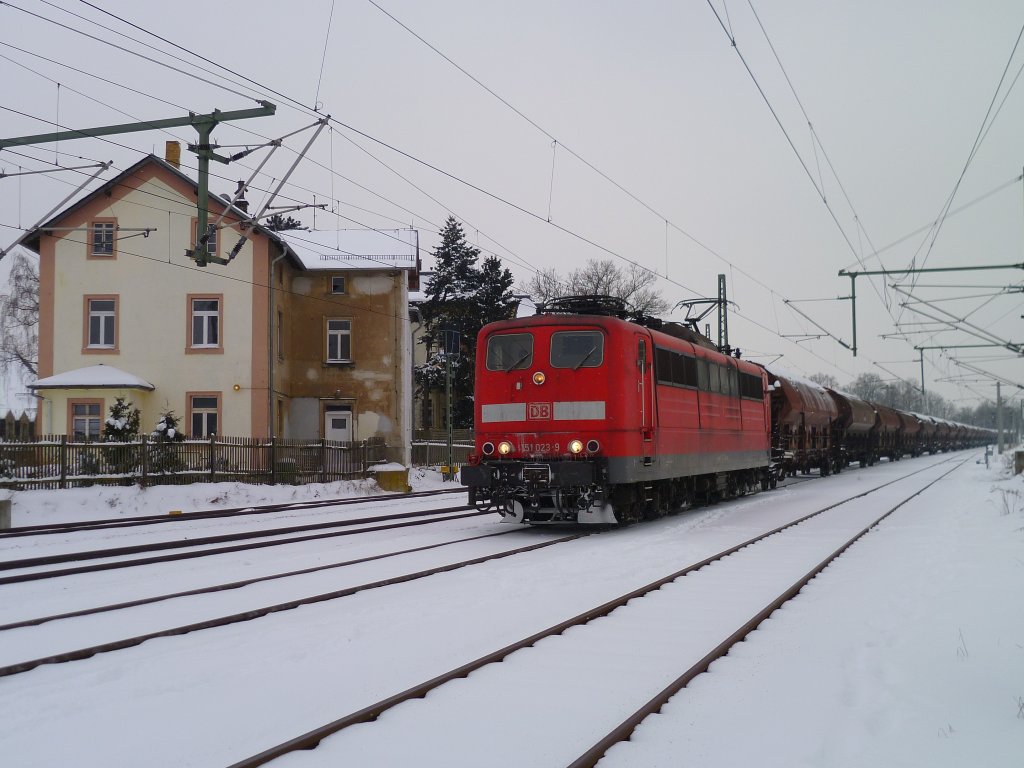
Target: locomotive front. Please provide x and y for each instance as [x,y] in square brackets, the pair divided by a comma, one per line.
[545,406]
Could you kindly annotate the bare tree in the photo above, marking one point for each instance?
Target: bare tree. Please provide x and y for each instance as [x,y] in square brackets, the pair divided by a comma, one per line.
[19,318]
[633,283]
[825,380]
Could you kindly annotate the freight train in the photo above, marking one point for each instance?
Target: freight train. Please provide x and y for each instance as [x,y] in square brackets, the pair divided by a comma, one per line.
[587,413]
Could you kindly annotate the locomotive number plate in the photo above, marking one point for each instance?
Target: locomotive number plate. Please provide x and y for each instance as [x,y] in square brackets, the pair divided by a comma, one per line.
[537,473]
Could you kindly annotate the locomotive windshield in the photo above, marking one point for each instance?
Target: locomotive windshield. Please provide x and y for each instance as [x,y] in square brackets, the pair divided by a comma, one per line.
[509,351]
[577,349]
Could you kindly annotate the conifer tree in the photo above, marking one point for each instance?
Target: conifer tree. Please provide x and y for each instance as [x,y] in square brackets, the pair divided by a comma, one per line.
[462,296]
[122,424]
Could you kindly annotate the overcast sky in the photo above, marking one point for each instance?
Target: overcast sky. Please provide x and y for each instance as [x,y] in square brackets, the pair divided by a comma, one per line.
[667,153]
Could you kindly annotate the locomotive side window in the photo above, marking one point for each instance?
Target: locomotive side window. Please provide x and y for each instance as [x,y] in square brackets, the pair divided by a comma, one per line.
[663,365]
[714,381]
[751,386]
[509,351]
[703,377]
[675,368]
[689,372]
[577,349]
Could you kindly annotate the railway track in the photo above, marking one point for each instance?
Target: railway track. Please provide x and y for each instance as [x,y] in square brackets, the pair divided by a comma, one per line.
[256,611]
[255,539]
[661,608]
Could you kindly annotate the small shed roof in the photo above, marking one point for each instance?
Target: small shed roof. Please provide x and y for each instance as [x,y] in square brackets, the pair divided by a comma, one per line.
[93,377]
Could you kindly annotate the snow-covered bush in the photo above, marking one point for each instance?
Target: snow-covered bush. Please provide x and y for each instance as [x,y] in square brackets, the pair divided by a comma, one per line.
[162,455]
[122,426]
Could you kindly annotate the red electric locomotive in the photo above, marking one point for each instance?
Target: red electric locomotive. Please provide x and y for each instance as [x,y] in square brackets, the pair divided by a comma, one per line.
[587,414]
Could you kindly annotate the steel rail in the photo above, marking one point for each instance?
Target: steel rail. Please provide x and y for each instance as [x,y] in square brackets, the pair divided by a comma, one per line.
[311,739]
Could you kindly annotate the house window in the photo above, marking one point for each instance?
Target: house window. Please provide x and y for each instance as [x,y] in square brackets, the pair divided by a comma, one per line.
[337,285]
[211,242]
[204,413]
[205,317]
[85,418]
[101,238]
[339,341]
[100,323]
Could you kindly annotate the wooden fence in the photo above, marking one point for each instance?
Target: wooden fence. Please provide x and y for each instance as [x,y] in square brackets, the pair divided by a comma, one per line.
[430,447]
[59,462]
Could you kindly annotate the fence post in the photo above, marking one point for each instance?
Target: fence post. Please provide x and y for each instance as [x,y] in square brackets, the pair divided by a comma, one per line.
[63,450]
[213,475]
[323,459]
[273,461]
[145,461]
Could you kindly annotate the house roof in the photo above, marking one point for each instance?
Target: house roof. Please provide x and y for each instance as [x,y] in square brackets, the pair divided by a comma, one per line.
[316,250]
[31,238]
[93,377]
[354,248]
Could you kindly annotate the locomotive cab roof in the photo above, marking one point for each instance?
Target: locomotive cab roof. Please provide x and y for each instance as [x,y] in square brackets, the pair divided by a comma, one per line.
[612,306]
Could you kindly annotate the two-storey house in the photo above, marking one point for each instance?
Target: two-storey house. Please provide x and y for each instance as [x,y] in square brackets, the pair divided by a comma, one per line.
[301,335]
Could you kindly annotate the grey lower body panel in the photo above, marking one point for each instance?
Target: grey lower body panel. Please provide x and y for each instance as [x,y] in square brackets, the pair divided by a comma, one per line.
[634,469]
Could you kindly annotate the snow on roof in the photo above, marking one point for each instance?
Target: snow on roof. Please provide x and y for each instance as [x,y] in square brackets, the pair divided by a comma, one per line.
[527,306]
[93,377]
[355,248]
[782,373]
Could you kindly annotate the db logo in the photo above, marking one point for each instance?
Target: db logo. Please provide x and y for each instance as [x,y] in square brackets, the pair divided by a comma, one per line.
[538,411]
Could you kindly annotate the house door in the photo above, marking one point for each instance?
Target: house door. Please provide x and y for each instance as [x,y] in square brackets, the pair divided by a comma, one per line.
[338,423]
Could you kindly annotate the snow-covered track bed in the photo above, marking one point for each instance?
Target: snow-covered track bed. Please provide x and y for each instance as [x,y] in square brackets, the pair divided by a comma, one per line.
[55,565]
[30,642]
[189,518]
[543,700]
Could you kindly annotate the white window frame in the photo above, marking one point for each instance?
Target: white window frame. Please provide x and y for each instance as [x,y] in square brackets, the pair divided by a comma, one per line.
[338,334]
[207,315]
[104,234]
[335,286]
[92,423]
[204,412]
[107,321]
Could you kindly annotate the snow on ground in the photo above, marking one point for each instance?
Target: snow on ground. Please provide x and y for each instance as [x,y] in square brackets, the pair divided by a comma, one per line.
[102,502]
[908,651]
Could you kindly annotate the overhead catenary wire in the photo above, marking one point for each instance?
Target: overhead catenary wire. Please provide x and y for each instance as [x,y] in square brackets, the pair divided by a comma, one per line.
[982,132]
[741,271]
[302,107]
[323,59]
[296,104]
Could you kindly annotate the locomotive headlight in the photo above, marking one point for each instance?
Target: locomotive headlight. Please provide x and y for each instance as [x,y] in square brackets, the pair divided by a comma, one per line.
[504,447]
[539,378]
[593,446]
[575,446]
[487,448]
